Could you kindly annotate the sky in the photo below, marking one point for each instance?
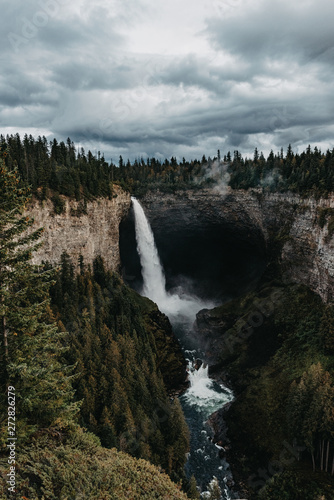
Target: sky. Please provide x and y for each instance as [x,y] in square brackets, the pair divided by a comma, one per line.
[161,78]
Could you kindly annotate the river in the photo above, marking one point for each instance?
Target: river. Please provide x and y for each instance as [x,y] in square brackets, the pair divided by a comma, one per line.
[204,395]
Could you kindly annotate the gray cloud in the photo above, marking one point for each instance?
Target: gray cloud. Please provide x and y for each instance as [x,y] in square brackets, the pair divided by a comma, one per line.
[282,31]
[262,77]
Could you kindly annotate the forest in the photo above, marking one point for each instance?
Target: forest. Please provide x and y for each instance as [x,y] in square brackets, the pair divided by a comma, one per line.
[64,169]
[283,372]
[123,428]
[61,336]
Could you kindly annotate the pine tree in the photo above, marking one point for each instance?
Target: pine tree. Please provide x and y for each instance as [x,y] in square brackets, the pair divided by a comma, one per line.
[191,489]
[30,344]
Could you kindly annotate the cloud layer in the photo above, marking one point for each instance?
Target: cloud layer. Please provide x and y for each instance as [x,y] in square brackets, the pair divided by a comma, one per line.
[150,78]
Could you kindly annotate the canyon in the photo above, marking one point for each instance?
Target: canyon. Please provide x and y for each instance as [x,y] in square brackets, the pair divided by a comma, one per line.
[217,248]
[225,242]
[217,244]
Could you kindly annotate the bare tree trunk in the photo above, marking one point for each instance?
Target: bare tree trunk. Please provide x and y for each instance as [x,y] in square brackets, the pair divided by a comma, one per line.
[327,456]
[313,461]
[322,455]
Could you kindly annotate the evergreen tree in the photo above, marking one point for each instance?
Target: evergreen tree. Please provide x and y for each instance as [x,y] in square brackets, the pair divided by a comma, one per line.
[191,489]
[113,337]
[30,344]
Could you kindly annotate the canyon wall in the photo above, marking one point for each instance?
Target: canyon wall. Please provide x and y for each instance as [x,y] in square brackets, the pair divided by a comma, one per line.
[93,233]
[193,226]
[262,220]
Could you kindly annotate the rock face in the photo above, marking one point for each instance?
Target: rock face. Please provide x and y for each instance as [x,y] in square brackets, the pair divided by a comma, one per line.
[231,236]
[211,246]
[170,360]
[259,221]
[91,234]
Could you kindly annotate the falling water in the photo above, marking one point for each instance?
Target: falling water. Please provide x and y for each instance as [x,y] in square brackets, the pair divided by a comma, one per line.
[153,276]
[179,307]
[204,395]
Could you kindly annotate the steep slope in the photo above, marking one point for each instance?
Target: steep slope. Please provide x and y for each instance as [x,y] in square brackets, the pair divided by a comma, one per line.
[262,224]
[201,225]
[56,466]
[89,229]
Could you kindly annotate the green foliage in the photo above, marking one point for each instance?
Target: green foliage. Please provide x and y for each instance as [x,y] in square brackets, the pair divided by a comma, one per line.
[58,167]
[293,485]
[308,173]
[214,490]
[191,489]
[81,175]
[283,372]
[60,467]
[310,412]
[30,344]
[58,204]
[124,350]
[112,346]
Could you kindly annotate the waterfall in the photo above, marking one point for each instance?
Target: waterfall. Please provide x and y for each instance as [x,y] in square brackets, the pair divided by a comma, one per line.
[179,307]
[153,276]
[204,395]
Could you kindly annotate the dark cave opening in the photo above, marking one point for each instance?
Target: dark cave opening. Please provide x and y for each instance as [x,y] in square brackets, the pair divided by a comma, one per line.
[209,259]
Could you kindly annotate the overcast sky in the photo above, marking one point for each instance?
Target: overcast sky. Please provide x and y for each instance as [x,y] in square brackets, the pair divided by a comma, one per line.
[169,77]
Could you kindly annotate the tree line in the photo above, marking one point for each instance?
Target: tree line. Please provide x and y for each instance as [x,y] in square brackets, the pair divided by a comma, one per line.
[65,169]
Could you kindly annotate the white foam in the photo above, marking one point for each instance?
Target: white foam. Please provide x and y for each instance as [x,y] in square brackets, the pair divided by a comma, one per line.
[177,306]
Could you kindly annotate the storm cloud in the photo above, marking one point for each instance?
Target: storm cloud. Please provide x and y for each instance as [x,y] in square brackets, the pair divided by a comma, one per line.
[151,78]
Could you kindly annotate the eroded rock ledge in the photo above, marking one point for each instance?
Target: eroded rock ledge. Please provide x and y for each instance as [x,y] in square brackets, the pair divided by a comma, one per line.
[262,220]
[89,234]
[197,220]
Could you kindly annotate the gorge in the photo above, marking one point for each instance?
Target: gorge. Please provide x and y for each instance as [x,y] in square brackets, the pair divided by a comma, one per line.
[204,395]
[216,247]
[200,226]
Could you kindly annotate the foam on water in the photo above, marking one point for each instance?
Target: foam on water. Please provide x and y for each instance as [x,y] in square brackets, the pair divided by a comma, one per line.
[204,395]
[205,392]
[178,306]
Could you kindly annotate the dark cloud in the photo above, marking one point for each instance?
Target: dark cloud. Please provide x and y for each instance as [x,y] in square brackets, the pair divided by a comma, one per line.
[261,75]
[282,30]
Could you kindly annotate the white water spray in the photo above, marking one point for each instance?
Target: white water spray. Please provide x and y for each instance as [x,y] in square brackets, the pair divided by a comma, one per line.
[177,306]
[204,392]
[204,395]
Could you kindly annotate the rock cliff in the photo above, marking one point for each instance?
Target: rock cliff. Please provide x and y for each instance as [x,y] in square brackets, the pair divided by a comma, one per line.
[93,233]
[254,220]
[231,235]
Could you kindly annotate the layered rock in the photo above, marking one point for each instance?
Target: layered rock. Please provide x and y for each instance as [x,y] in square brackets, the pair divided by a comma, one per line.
[260,220]
[93,233]
[193,226]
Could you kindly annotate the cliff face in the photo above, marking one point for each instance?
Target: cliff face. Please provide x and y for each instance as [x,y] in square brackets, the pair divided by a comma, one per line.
[258,220]
[234,232]
[91,234]
[212,246]
[308,254]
